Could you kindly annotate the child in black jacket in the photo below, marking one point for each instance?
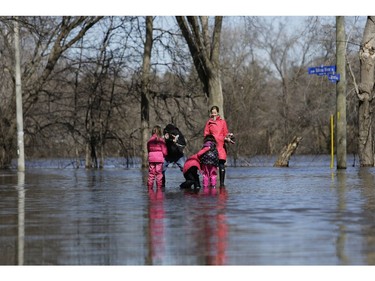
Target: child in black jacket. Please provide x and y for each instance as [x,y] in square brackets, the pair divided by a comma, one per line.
[176,143]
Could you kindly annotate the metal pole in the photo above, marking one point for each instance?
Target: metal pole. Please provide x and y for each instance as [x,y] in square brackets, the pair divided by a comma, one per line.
[20,137]
[341,93]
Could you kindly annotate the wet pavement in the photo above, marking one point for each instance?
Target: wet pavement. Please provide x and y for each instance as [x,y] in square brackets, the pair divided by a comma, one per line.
[307,214]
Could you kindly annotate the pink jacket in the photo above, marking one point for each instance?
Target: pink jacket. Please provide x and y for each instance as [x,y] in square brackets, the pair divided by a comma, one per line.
[194,160]
[156,149]
[219,130]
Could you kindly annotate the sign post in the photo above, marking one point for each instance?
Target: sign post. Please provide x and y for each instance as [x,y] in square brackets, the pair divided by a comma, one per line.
[341,94]
[330,72]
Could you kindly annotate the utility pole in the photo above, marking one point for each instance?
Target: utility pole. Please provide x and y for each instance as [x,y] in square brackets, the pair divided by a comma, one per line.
[20,138]
[341,93]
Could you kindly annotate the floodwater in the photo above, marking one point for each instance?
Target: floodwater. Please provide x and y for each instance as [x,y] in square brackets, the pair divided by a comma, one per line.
[307,214]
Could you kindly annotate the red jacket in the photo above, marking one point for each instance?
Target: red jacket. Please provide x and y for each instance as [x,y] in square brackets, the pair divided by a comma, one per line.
[219,130]
[194,160]
[156,149]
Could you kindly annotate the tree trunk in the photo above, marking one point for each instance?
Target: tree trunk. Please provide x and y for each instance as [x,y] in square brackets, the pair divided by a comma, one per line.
[19,109]
[287,152]
[88,160]
[205,53]
[101,159]
[215,96]
[365,95]
[145,109]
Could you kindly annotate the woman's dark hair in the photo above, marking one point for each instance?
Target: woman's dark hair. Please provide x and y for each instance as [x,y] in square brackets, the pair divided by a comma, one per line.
[214,107]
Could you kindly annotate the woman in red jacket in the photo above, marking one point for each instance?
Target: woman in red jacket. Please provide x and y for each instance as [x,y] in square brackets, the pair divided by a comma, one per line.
[217,127]
[157,150]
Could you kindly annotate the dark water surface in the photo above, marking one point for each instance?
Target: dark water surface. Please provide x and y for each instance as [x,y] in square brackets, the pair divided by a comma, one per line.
[307,214]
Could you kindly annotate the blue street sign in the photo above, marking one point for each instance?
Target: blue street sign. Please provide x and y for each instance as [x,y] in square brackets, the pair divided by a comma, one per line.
[330,68]
[311,70]
[334,77]
[322,70]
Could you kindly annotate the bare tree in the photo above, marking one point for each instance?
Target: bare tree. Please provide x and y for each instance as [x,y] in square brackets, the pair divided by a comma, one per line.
[18,90]
[205,51]
[145,88]
[245,90]
[47,39]
[88,97]
[365,93]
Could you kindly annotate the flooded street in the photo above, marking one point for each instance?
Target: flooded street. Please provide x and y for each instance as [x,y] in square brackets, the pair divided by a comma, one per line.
[307,214]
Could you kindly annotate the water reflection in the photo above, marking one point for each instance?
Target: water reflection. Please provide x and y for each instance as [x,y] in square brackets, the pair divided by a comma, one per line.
[367,188]
[341,207]
[156,231]
[265,216]
[210,225]
[221,229]
[21,217]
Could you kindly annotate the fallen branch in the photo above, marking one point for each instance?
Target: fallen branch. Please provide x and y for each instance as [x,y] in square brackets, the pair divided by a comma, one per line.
[287,151]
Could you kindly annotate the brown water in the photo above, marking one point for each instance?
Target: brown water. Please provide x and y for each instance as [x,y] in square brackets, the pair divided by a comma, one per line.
[307,214]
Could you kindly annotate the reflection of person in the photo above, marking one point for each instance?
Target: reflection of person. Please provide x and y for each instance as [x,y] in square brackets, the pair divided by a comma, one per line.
[156,226]
[157,150]
[215,229]
[176,143]
[191,168]
[221,229]
[217,127]
[209,162]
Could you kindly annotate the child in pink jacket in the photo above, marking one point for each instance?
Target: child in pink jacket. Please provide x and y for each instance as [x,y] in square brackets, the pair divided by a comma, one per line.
[209,162]
[157,150]
[191,168]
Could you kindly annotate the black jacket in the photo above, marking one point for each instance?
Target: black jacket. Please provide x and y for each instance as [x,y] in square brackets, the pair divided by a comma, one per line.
[175,148]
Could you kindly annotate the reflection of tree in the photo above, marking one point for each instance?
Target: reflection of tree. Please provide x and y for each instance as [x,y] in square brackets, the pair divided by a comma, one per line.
[368,226]
[368,215]
[340,242]
[21,217]
[156,227]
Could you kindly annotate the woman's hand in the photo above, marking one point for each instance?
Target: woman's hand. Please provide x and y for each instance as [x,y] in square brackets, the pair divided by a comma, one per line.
[230,138]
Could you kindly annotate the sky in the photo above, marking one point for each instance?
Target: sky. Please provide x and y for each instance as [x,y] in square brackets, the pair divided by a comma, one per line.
[190,7]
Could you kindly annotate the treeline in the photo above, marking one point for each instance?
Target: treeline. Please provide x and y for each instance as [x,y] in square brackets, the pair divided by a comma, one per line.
[81,84]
